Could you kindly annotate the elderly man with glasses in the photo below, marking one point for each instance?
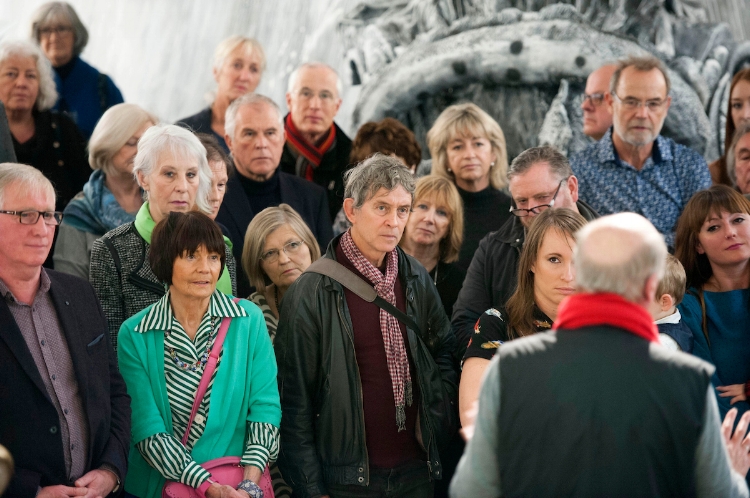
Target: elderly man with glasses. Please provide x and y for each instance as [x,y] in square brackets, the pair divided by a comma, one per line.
[539,178]
[597,116]
[633,168]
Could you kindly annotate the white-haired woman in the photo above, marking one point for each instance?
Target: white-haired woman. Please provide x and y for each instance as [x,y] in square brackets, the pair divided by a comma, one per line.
[172,170]
[42,138]
[112,196]
[238,66]
[85,93]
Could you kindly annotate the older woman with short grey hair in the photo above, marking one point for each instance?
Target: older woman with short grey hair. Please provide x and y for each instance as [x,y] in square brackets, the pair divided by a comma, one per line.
[42,138]
[738,159]
[112,195]
[172,170]
[85,93]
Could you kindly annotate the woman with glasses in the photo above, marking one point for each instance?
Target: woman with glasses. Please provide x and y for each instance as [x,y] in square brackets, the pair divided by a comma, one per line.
[545,277]
[468,148]
[85,93]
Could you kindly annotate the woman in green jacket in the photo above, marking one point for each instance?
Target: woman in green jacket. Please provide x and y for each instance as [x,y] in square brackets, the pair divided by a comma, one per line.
[162,354]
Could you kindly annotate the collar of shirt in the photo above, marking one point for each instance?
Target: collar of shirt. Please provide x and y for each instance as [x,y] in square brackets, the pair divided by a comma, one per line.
[605,150]
[44,284]
[673,318]
[161,317]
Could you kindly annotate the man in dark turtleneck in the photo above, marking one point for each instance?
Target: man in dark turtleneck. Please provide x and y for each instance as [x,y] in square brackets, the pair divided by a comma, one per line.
[255,137]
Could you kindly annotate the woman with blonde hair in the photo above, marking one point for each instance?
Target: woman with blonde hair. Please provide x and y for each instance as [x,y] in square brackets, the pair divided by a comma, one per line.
[239,63]
[434,233]
[112,196]
[468,148]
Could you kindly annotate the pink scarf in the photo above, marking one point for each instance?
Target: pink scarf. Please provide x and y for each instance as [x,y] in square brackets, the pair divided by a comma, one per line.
[395,351]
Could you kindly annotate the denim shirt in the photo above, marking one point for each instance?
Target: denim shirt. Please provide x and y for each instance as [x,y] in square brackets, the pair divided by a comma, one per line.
[659,190]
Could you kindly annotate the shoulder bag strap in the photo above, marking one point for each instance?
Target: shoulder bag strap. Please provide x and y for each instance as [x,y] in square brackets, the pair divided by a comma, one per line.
[348,279]
[704,316]
[208,371]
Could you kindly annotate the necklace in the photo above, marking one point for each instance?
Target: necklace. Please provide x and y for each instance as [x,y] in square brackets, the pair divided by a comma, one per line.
[201,362]
[276,298]
[436,273]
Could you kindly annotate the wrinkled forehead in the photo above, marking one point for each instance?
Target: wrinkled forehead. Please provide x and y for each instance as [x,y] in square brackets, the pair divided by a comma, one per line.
[258,116]
[23,195]
[317,79]
[642,84]
[537,180]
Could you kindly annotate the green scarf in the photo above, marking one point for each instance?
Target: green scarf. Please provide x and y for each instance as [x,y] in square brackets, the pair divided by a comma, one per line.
[144,225]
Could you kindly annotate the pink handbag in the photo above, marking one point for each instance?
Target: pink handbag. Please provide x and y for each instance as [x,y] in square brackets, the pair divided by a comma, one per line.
[225,470]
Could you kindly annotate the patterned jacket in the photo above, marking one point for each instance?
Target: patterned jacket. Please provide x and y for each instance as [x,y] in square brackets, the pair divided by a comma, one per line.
[122,278]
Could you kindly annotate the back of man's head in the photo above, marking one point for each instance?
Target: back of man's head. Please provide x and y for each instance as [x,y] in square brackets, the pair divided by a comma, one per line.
[623,254]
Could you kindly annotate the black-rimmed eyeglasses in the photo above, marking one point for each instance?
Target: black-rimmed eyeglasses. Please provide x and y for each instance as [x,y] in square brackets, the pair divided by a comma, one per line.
[31,217]
[522,213]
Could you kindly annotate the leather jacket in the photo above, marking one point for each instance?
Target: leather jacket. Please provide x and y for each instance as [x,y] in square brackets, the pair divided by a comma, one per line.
[322,425]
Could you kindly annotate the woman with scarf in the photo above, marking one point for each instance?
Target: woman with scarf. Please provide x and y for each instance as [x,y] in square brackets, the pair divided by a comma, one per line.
[112,196]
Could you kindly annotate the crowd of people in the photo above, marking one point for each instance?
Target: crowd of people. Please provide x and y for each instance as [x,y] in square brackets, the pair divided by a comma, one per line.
[247,303]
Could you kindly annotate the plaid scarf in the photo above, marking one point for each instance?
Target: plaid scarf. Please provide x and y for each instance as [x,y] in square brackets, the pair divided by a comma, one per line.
[395,350]
[312,153]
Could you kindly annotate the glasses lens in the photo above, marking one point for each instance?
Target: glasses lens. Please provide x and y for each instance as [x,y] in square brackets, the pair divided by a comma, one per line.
[53,217]
[29,217]
[270,256]
[520,212]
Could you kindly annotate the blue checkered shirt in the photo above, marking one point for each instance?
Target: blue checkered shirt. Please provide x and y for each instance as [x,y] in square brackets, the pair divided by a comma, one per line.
[659,191]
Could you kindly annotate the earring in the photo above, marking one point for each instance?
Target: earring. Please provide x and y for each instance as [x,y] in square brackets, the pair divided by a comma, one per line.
[449,170]
[492,164]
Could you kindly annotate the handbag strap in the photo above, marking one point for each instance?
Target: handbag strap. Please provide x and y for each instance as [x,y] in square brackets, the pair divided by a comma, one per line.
[208,371]
[351,281]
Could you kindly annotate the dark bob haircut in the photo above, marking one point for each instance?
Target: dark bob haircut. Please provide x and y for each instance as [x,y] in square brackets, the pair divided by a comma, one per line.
[181,234]
[388,136]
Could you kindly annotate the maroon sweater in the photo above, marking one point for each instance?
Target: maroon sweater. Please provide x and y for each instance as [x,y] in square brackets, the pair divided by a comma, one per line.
[386,446]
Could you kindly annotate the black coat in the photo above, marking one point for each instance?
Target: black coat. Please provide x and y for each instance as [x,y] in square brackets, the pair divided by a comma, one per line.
[29,424]
[201,123]
[305,197]
[329,174]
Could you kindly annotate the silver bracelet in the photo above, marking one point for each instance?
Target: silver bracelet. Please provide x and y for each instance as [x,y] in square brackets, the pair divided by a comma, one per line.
[250,488]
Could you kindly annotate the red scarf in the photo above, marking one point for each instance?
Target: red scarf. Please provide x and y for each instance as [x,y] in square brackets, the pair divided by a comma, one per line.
[313,154]
[586,310]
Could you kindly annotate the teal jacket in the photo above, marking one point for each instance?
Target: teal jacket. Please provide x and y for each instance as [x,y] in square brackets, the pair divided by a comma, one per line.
[244,390]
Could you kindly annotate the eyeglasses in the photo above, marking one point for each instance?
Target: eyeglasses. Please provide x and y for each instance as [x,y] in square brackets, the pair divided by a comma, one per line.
[58,30]
[522,213]
[290,249]
[31,217]
[325,96]
[632,104]
[595,98]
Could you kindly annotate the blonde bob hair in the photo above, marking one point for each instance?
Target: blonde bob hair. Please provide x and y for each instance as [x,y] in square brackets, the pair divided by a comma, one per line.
[462,120]
[264,224]
[114,129]
[443,192]
[249,45]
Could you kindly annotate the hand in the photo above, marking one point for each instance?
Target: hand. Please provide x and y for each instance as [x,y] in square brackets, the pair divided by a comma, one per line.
[98,483]
[736,445]
[60,492]
[736,391]
[223,491]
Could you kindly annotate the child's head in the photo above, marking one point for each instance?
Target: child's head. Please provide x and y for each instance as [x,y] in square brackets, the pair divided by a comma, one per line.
[671,289]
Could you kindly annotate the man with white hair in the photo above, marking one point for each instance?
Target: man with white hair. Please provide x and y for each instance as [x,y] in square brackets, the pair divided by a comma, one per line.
[608,410]
[64,408]
[255,136]
[316,148]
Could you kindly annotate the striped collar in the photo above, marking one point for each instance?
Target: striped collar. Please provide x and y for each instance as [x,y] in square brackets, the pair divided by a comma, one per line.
[160,316]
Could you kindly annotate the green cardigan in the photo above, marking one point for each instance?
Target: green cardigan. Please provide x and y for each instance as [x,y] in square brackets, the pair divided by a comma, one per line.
[244,390]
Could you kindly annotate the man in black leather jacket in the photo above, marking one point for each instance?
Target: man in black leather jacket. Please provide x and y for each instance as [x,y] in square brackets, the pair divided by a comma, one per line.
[344,425]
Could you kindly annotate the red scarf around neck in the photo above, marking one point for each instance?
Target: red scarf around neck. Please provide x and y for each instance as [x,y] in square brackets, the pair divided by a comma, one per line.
[586,310]
[313,154]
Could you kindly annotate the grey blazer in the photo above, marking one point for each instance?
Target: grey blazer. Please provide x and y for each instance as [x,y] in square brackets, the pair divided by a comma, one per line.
[122,278]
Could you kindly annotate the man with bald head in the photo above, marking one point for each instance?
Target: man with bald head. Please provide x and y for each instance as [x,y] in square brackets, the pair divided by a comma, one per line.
[316,148]
[597,117]
[608,411]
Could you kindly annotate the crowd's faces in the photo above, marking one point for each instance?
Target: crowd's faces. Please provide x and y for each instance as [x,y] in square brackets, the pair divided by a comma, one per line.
[742,163]
[470,159]
[258,141]
[57,42]
[428,222]
[172,186]
[597,117]
[378,225]
[636,117]
[554,275]
[740,103]
[218,186]
[122,162]
[25,245]
[537,186]
[725,238]
[240,74]
[314,101]
[19,83]
[286,256]
[194,276]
